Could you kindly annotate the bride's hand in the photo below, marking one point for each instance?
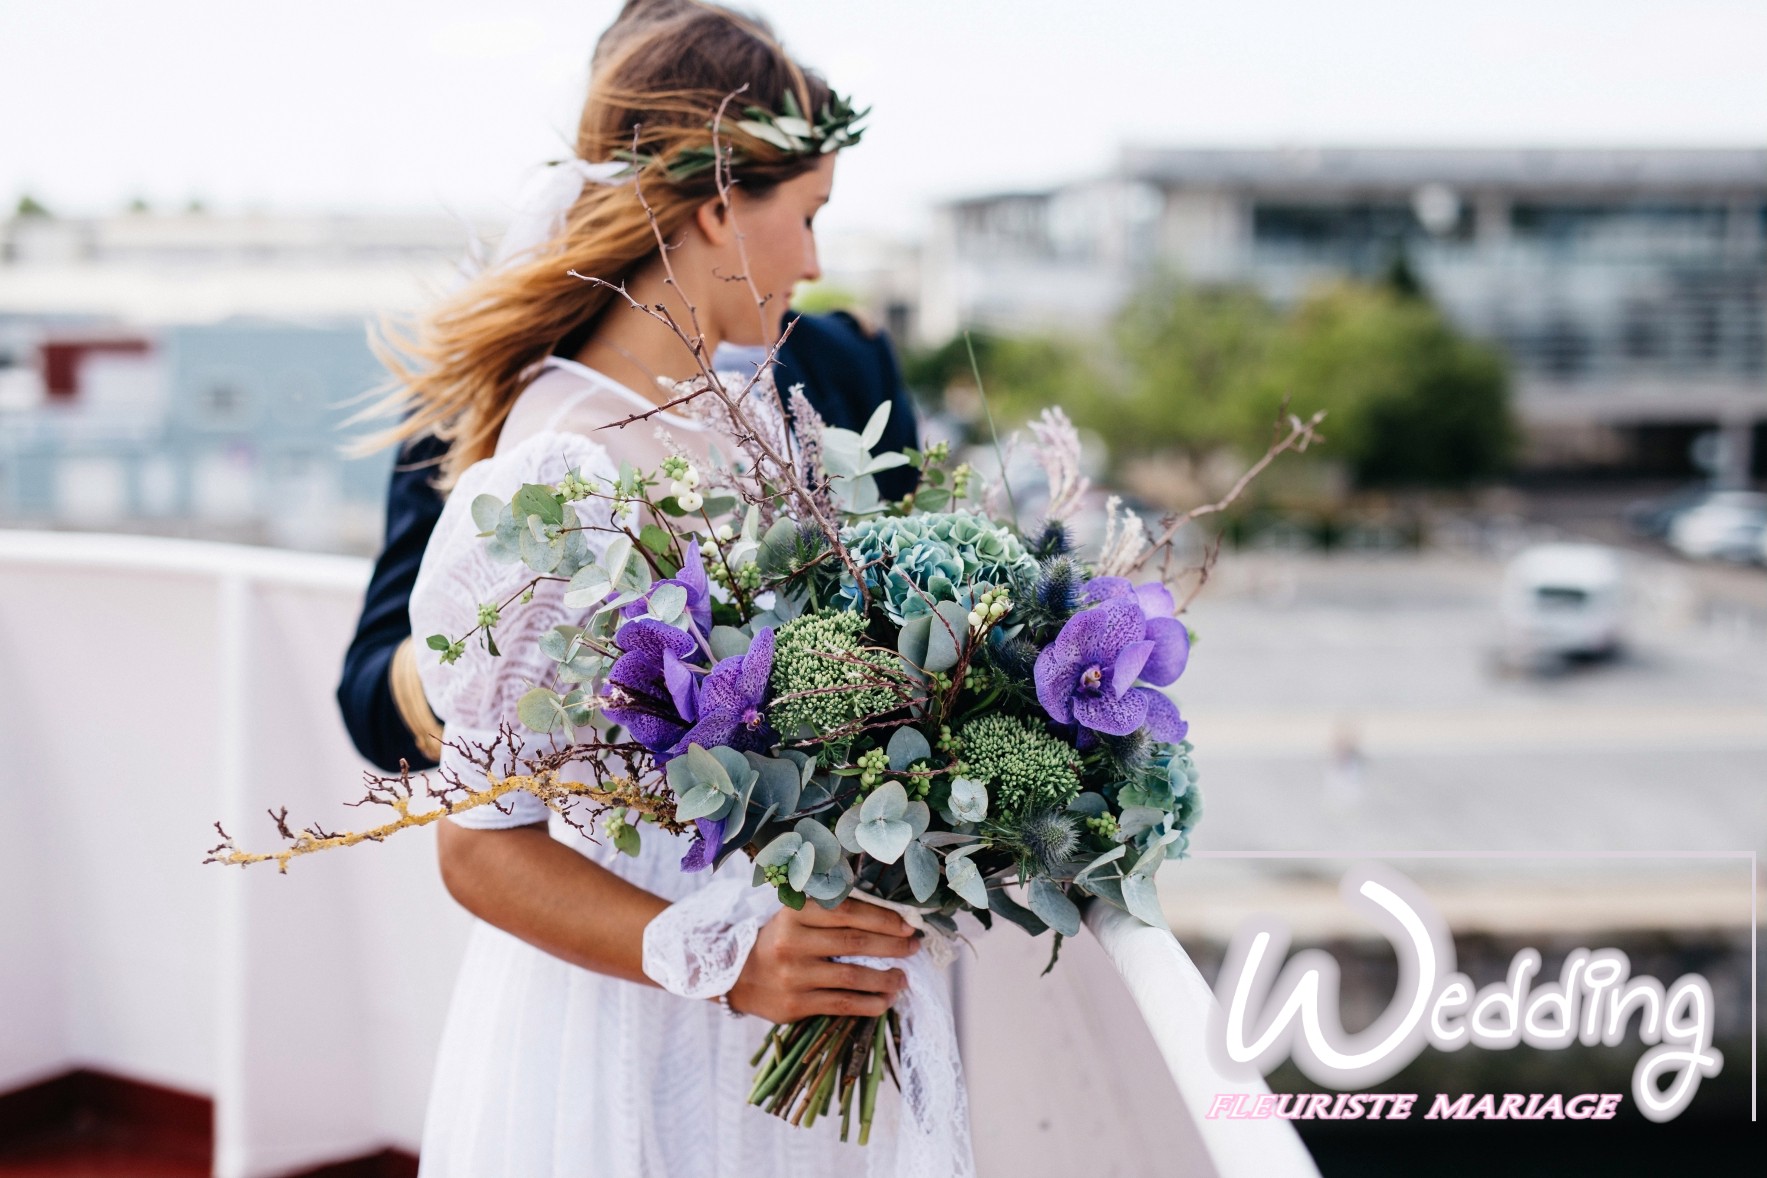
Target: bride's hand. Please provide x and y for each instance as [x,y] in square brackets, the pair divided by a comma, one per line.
[788,974]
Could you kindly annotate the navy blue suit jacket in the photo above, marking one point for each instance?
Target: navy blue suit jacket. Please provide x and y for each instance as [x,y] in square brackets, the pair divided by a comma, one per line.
[846,375]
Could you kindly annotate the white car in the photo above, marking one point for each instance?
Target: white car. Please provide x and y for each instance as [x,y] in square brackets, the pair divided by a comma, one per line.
[1563,601]
[1727,526]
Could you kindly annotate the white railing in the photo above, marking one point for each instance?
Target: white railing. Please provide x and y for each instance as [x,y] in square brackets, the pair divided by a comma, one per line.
[153,686]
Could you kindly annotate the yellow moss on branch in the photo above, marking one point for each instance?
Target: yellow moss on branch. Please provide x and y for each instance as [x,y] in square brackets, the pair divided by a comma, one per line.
[621,792]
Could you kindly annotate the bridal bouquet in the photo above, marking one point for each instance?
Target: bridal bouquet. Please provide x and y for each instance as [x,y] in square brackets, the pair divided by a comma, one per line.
[926,707]
[913,701]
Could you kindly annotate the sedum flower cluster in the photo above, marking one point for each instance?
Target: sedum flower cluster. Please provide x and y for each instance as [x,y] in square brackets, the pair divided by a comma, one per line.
[826,654]
[1025,768]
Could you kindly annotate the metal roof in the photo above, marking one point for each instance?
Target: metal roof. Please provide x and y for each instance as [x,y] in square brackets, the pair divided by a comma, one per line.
[1402,168]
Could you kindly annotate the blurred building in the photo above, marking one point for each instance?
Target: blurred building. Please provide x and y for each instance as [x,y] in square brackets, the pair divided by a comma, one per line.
[1629,287]
[150,268]
[225,430]
[189,373]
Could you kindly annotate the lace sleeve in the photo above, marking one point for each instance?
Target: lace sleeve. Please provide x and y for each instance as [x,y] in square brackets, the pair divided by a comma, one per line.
[477,694]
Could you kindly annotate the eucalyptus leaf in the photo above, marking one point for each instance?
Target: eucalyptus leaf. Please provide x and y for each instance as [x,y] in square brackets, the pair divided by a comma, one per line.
[1110,856]
[945,838]
[923,871]
[487,510]
[887,801]
[540,554]
[778,781]
[1142,898]
[668,603]
[846,829]
[541,710]
[907,746]
[1051,904]
[831,886]
[779,852]
[728,642]
[702,801]
[969,800]
[911,642]
[966,880]
[946,636]
[802,866]
[828,848]
[709,769]
[742,836]
[1001,902]
[1090,804]
[884,839]
[874,428]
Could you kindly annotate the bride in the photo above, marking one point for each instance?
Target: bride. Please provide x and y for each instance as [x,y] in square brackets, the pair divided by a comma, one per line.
[597,1024]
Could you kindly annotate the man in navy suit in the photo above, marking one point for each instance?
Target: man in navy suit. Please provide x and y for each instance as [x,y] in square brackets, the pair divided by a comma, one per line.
[847,371]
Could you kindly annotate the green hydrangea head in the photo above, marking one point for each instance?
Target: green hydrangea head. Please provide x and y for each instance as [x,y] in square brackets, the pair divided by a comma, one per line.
[932,557]
[1026,769]
[814,653]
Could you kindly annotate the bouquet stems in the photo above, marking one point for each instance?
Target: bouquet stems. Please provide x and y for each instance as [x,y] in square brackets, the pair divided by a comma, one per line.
[807,1063]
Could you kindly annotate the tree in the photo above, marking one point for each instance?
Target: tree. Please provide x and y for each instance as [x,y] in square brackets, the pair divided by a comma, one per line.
[1410,401]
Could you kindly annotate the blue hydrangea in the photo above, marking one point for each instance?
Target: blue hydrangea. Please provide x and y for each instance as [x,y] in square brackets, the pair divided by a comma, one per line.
[932,557]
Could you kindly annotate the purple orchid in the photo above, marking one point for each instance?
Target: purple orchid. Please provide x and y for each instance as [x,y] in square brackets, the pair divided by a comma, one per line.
[1157,607]
[1089,674]
[728,704]
[691,578]
[708,839]
[650,688]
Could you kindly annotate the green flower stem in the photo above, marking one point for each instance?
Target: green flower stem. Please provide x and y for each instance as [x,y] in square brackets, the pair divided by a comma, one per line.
[775,1074]
[801,1072]
[873,1075]
[771,1040]
[823,1086]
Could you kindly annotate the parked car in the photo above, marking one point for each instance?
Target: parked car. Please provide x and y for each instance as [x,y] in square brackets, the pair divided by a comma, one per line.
[1652,518]
[1563,601]
[1727,526]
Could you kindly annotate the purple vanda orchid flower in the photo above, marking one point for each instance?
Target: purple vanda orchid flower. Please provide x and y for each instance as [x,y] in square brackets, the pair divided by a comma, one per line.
[730,702]
[1089,674]
[707,840]
[650,687]
[1172,637]
[692,578]
[729,705]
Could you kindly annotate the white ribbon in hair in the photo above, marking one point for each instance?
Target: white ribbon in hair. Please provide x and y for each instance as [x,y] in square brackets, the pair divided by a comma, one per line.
[540,210]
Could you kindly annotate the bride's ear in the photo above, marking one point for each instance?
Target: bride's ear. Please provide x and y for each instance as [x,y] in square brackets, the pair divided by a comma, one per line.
[713,219]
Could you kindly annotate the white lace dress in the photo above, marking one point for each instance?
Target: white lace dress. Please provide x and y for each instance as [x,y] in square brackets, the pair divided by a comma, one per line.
[548,1070]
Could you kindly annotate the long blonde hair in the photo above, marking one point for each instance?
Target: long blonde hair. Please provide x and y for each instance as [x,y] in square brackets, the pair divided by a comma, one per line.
[661,73]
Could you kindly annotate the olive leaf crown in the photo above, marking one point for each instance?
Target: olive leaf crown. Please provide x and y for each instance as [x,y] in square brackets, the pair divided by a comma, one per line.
[836,126]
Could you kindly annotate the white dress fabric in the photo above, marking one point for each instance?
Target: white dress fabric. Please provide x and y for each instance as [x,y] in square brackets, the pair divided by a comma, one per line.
[548,1070]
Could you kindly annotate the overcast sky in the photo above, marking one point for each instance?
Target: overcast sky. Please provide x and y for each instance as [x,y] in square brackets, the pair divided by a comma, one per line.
[424,104]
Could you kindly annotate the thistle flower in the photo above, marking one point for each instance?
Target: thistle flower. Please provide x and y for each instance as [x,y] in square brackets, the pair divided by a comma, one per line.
[1053,539]
[1049,838]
